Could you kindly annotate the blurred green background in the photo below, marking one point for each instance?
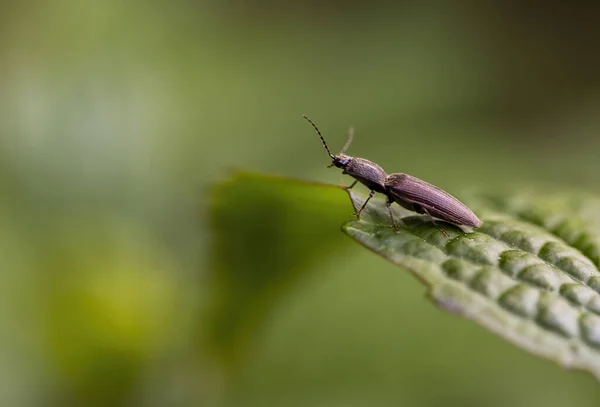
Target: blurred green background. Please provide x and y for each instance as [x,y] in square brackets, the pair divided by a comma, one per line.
[117,117]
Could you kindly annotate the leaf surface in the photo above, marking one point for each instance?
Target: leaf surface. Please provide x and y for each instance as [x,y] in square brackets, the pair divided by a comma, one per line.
[529,274]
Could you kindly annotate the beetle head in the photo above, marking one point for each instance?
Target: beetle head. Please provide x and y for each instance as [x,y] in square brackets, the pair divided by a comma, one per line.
[340,161]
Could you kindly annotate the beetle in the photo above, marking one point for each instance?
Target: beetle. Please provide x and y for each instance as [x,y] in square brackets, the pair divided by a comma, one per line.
[407,191]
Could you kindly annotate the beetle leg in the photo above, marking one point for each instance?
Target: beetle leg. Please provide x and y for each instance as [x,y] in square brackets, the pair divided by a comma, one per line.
[389,206]
[351,185]
[371,194]
[433,221]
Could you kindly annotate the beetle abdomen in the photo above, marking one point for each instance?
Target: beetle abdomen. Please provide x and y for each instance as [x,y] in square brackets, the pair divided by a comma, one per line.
[405,189]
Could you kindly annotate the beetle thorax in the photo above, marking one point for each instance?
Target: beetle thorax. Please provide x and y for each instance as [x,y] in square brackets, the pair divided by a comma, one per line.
[341,160]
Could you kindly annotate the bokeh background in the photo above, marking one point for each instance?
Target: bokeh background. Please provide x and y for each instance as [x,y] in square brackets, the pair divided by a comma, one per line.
[117,117]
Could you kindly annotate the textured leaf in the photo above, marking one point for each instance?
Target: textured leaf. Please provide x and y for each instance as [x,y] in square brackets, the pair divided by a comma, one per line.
[529,274]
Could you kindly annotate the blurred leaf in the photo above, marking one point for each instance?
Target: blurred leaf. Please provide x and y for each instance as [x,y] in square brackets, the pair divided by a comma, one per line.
[266,232]
[529,274]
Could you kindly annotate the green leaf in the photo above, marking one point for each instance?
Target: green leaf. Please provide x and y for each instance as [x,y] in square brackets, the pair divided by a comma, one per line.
[266,232]
[529,274]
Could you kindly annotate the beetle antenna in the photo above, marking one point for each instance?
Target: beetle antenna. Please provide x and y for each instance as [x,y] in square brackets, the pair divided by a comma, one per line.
[350,138]
[320,136]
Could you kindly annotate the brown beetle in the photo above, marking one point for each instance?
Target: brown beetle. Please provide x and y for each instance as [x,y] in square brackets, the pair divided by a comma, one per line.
[407,191]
